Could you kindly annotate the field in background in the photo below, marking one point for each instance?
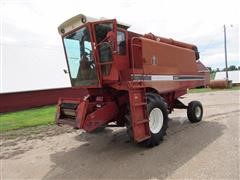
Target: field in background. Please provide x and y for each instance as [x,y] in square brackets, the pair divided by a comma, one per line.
[46,115]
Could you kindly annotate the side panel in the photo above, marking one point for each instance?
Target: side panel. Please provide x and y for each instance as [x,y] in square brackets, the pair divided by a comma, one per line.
[165,67]
[100,116]
[173,85]
[165,59]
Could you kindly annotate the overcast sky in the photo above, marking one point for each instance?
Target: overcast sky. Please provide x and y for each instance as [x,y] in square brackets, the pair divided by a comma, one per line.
[31,54]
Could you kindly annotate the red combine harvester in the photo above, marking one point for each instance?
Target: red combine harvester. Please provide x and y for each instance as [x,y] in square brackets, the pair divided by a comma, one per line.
[130,79]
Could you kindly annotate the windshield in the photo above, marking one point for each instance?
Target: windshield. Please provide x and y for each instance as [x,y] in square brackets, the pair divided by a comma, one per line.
[80,58]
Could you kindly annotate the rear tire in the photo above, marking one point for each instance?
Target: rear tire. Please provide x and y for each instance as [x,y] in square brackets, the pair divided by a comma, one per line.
[195,111]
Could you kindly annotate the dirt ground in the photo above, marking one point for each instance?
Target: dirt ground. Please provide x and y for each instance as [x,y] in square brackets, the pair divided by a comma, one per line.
[209,149]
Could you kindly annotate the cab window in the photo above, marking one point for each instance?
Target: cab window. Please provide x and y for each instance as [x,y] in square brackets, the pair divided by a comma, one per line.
[121,43]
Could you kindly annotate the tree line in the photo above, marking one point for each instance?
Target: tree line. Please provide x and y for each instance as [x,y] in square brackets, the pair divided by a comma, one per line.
[230,68]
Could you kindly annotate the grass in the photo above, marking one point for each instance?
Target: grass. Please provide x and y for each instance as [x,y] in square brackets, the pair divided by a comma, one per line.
[27,118]
[202,90]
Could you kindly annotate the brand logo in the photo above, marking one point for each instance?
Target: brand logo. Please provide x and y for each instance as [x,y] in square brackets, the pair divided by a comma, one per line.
[154,60]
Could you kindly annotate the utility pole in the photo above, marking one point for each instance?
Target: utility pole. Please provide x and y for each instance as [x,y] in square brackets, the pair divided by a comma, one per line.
[225,48]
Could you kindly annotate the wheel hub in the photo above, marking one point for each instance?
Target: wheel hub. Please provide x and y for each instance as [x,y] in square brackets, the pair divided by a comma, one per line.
[155,120]
[198,112]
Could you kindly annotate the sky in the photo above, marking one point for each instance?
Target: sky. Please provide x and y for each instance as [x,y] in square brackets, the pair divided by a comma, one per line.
[31,52]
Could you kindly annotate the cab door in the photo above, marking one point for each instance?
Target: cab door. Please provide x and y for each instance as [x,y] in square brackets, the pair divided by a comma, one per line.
[105,49]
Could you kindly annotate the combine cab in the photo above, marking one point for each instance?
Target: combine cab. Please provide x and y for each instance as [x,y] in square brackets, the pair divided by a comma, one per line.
[132,80]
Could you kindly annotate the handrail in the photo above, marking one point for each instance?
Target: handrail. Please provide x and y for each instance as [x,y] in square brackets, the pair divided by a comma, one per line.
[132,54]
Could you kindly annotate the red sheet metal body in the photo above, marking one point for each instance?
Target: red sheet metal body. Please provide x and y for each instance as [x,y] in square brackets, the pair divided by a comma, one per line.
[148,64]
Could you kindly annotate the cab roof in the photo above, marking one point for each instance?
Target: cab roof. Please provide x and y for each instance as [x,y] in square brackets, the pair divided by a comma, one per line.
[80,20]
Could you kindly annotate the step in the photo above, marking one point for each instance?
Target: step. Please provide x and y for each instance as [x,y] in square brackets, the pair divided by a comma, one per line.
[142,139]
[142,121]
[68,121]
[140,104]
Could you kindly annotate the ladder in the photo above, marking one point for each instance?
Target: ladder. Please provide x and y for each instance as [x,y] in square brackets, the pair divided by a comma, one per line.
[138,108]
[137,97]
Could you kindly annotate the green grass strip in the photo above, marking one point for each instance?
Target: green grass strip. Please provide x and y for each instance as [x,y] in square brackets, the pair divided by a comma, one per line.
[202,90]
[27,118]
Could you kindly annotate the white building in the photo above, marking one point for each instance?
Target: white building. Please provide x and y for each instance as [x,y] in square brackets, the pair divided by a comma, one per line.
[232,75]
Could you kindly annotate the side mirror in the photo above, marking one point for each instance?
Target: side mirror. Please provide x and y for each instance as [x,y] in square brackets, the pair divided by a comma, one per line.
[65,71]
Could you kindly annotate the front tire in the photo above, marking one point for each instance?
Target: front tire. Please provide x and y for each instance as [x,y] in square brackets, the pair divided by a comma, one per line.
[158,120]
[195,111]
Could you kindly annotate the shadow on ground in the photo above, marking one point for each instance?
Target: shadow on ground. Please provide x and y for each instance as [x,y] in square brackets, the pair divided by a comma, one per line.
[109,155]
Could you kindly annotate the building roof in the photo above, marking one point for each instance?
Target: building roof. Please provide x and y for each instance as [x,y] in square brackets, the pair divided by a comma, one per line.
[201,67]
[232,75]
